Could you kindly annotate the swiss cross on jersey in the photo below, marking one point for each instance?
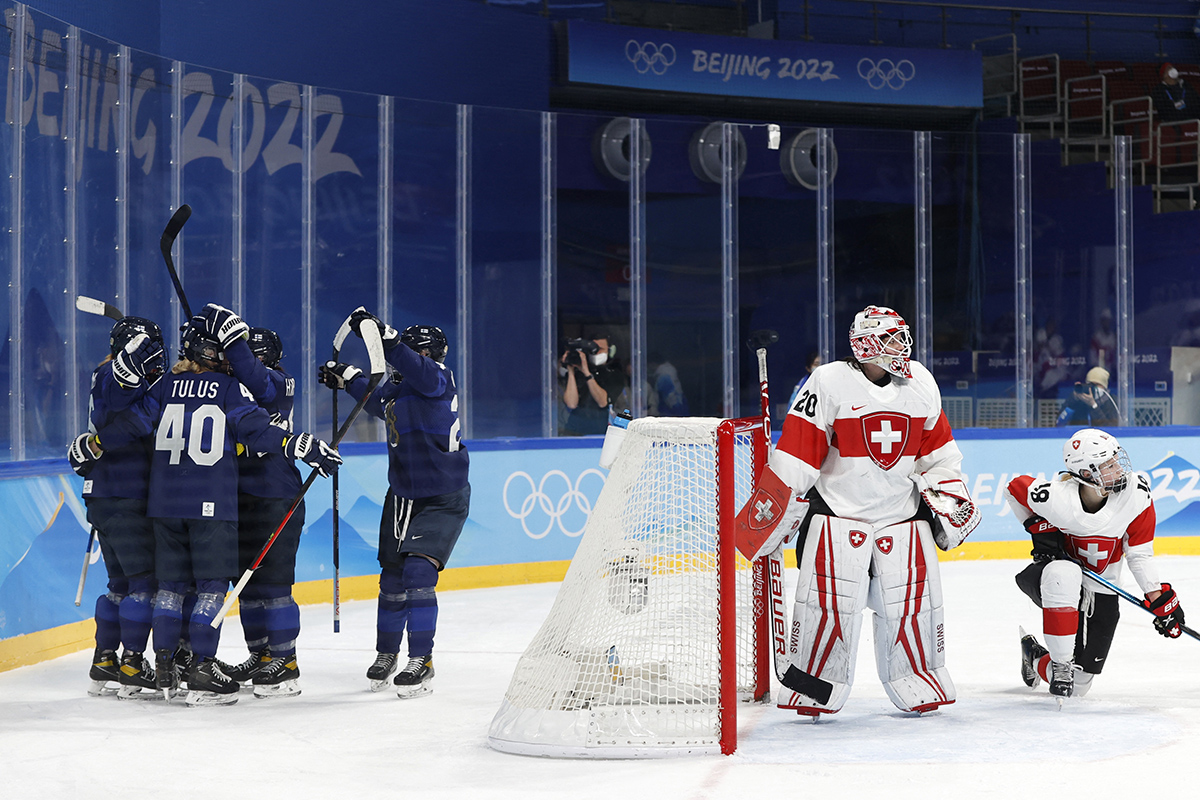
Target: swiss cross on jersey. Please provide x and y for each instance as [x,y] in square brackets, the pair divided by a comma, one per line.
[1094,552]
[885,434]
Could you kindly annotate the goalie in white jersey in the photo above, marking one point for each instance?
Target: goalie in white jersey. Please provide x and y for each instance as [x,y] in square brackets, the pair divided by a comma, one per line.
[865,440]
[1095,514]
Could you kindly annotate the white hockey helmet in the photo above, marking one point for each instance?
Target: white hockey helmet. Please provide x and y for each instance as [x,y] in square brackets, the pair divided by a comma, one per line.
[880,336]
[1097,459]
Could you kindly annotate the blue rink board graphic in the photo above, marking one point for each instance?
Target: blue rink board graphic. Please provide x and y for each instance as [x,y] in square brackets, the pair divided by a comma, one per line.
[529,502]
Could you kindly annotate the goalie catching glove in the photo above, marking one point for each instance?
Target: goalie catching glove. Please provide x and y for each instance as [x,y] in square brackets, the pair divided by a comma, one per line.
[773,515]
[337,376]
[954,514]
[223,325]
[141,356]
[314,452]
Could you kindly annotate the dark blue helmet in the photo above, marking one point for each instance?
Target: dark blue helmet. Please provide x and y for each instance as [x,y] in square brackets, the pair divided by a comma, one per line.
[129,327]
[198,346]
[265,344]
[425,337]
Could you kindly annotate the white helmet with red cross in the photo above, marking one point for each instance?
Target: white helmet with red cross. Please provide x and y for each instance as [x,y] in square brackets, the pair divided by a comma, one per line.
[1097,459]
[880,336]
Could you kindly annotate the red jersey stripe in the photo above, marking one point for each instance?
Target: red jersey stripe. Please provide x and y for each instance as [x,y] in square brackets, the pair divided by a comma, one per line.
[1141,530]
[1018,487]
[938,436]
[804,440]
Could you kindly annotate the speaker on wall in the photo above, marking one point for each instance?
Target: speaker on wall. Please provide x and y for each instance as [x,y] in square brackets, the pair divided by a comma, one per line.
[704,152]
[611,146]
[798,160]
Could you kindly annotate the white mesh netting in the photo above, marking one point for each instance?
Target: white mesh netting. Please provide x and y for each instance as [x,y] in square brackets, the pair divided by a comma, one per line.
[626,663]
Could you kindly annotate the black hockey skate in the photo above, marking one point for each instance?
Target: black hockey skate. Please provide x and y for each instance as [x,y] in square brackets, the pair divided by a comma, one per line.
[384,667]
[182,662]
[138,681]
[165,676]
[413,680]
[1031,654]
[104,674]
[1062,680]
[208,685]
[279,677]
[246,671]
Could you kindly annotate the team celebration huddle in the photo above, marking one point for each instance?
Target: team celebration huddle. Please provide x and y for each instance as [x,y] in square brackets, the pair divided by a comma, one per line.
[190,480]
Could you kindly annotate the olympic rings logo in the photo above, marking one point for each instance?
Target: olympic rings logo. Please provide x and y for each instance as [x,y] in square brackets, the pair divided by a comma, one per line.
[886,72]
[539,497]
[649,57]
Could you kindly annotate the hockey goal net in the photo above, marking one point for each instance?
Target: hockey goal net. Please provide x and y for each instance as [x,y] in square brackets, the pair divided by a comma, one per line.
[656,632]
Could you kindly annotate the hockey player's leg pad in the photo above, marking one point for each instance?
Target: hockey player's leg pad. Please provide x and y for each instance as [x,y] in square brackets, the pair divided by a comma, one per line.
[1095,636]
[167,619]
[253,614]
[831,592]
[210,595]
[1061,587]
[282,617]
[420,578]
[136,613]
[108,616]
[906,597]
[1029,581]
[392,614]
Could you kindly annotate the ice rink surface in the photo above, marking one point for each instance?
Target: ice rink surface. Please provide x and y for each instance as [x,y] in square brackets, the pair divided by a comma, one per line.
[1135,735]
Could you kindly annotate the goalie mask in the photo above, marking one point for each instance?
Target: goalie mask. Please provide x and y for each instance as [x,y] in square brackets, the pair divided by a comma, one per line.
[425,337]
[197,346]
[1097,459]
[266,345]
[881,337]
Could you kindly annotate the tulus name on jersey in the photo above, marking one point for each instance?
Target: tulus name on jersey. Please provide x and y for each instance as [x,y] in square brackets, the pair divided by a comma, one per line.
[195,388]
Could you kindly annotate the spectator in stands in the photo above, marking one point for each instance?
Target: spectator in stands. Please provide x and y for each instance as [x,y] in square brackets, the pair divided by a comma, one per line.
[1091,406]
[668,389]
[1104,340]
[1173,100]
[594,381]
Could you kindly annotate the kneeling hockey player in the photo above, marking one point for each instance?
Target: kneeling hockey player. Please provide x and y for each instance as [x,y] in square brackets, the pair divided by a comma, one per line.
[1093,514]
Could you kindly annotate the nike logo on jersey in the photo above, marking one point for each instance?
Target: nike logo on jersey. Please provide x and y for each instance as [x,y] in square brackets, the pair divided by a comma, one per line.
[856,408]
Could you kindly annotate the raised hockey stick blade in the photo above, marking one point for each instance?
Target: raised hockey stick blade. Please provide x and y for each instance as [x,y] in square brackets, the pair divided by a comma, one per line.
[1087,573]
[170,233]
[87,558]
[378,369]
[90,305]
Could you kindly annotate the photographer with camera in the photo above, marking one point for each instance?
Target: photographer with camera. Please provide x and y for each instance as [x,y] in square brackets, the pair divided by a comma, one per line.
[594,381]
[1090,406]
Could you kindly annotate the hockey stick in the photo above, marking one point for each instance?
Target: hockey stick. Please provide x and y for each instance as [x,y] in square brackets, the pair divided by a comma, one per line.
[100,308]
[378,367]
[338,339]
[87,559]
[170,233]
[1087,573]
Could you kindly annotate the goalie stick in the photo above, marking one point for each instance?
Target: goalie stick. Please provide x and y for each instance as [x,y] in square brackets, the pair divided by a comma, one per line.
[378,368]
[1087,573]
[90,305]
[170,233]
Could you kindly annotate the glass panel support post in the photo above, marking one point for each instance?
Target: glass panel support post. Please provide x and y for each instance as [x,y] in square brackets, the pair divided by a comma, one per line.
[1022,274]
[923,254]
[637,268]
[549,274]
[462,236]
[729,268]
[1123,198]
[825,254]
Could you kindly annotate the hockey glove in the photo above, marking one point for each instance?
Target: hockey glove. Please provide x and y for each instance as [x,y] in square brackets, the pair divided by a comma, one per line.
[81,455]
[141,356]
[955,515]
[314,452]
[1047,540]
[389,335]
[772,515]
[1168,614]
[337,376]
[224,325]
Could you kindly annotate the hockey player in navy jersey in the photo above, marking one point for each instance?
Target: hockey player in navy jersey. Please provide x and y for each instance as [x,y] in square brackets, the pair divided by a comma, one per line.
[267,482]
[114,491]
[428,494]
[198,415]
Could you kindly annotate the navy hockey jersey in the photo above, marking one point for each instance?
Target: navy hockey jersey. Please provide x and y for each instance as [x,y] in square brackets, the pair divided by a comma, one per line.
[124,471]
[425,453]
[197,419]
[266,474]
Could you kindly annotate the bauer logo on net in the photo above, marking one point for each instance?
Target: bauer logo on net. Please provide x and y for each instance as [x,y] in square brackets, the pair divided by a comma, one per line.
[552,502]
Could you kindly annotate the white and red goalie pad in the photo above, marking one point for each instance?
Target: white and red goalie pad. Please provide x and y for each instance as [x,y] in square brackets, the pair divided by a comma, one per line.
[771,516]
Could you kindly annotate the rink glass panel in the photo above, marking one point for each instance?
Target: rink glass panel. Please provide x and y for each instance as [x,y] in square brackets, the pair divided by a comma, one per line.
[683,277]
[777,265]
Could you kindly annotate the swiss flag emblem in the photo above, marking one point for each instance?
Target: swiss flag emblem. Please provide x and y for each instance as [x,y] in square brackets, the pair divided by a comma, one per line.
[884,543]
[885,434]
[763,511]
[857,538]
